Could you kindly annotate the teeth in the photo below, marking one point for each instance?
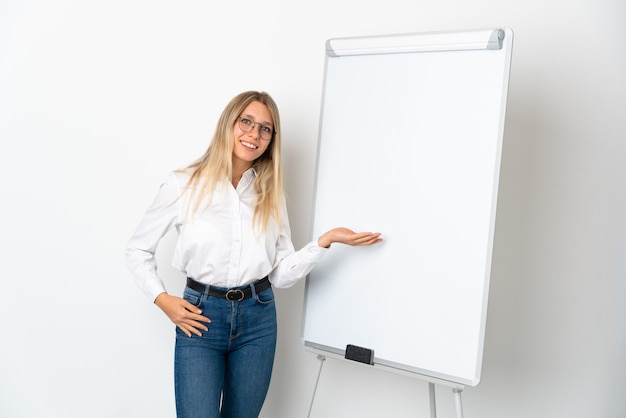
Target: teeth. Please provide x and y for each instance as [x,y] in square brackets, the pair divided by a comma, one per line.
[248,145]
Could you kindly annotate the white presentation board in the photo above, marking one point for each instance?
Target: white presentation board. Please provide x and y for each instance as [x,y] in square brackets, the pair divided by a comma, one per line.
[410,141]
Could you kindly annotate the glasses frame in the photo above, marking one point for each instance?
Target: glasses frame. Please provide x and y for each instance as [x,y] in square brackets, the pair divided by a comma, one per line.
[250,128]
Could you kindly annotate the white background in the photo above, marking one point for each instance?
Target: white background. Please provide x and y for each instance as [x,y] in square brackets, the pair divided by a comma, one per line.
[98,100]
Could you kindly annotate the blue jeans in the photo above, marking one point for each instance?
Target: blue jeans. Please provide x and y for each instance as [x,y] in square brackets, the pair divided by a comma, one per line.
[226,372]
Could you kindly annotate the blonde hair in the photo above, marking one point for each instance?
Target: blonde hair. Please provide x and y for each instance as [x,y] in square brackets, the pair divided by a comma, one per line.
[215,164]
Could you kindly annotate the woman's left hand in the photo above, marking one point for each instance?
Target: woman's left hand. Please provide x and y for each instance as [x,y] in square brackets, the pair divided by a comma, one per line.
[347,236]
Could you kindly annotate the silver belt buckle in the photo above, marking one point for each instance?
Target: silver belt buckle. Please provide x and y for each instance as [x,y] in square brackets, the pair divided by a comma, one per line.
[235,295]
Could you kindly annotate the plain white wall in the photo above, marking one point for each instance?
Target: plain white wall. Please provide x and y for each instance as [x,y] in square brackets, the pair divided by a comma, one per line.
[98,100]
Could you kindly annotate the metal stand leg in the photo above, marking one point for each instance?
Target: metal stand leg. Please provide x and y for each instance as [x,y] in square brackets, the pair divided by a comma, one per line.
[433,403]
[457,401]
[318,371]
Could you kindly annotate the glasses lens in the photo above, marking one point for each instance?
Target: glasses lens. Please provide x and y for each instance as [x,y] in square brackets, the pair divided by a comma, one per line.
[266,132]
[245,124]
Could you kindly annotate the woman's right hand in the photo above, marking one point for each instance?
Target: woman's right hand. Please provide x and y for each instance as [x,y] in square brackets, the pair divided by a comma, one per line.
[187,317]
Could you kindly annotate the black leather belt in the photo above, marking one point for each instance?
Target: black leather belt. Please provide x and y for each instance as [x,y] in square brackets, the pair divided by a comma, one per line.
[234,295]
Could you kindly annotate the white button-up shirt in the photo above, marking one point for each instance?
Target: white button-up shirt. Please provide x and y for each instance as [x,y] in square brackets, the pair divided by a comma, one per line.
[218,245]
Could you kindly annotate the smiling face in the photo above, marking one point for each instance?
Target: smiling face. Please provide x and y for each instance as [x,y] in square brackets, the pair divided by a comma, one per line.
[249,145]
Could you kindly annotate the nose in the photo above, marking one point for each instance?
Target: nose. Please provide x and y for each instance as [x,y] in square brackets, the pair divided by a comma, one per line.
[256,130]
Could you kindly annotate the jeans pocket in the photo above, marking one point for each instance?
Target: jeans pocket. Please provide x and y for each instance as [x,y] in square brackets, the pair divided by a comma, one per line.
[192,297]
[265,297]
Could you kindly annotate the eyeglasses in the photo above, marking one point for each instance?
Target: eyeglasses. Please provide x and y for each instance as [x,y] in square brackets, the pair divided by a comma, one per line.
[247,124]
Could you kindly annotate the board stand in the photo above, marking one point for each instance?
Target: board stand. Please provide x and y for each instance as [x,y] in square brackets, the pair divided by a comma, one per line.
[318,372]
[456,389]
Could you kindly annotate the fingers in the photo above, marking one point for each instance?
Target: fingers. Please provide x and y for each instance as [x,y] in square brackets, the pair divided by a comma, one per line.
[191,308]
[189,331]
[366,238]
[191,326]
[183,314]
[190,320]
[193,323]
[349,237]
[191,312]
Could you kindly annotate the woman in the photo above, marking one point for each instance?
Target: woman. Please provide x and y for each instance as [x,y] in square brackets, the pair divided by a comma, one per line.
[234,244]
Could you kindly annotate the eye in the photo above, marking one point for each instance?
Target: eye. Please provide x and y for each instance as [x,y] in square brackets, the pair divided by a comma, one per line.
[245,121]
[267,129]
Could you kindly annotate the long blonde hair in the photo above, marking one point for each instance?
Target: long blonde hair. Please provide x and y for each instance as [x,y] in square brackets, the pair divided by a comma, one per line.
[215,165]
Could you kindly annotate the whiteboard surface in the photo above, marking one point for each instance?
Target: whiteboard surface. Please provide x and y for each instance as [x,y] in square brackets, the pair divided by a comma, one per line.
[409,146]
